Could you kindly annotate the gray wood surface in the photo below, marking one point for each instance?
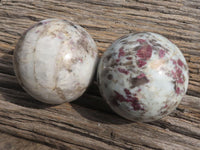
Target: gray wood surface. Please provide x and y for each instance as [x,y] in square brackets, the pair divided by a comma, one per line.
[71,126]
[9,142]
[88,123]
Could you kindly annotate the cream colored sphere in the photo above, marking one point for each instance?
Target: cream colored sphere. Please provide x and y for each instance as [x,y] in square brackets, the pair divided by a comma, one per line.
[55,60]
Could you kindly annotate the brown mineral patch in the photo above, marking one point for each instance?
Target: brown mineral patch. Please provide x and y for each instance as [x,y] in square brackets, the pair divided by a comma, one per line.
[114,63]
[129,53]
[128,63]
[59,91]
[124,41]
[123,37]
[107,58]
[138,81]
[176,103]
[137,48]
[68,65]
[153,41]
[165,112]
[69,70]
[80,89]
[34,50]
[110,77]
[105,72]
[83,43]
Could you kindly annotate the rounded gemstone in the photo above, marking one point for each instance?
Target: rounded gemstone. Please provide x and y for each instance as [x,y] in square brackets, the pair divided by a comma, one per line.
[145,75]
[55,60]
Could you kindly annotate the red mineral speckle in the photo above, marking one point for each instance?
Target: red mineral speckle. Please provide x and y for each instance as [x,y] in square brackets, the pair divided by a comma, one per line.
[60,36]
[123,71]
[136,105]
[141,76]
[161,53]
[179,72]
[180,63]
[164,109]
[129,58]
[180,80]
[145,52]
[80,60]
[133,100]
[177,90]
[128,93]
[117,60]
[165,106]
[173,74]
[174,61]
[178,76]
[121,52]
[141,63]
[141,41]
[119,97]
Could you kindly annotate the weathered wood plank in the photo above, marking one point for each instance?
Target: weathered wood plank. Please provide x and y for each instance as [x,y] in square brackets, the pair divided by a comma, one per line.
[108,20]
[70,125]
[8,142]
[89,123]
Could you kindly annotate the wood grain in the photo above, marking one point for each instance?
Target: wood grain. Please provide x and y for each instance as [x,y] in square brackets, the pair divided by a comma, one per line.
[8,142]
[108,20]
[88,123]
[70,126]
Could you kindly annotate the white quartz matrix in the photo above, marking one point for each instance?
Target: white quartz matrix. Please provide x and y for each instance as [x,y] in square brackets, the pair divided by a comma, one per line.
[143,76]
[55,60]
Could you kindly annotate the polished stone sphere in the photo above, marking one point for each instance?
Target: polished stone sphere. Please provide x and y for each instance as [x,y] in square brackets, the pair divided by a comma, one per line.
[143,76]
[55,60]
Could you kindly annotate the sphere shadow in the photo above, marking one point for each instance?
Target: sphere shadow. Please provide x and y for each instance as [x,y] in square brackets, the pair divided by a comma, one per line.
[21,98]
[93,107]
[10,89]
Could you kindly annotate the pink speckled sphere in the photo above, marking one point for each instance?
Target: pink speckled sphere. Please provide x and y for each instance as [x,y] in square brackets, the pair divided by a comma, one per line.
[143,76]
